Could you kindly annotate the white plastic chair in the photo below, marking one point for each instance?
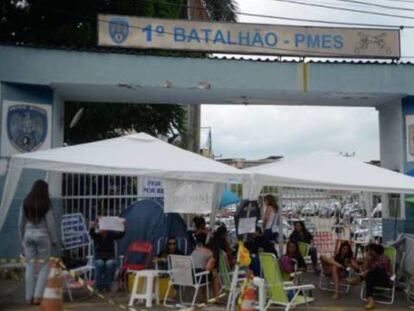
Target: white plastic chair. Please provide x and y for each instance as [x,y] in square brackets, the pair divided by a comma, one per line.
[183,274]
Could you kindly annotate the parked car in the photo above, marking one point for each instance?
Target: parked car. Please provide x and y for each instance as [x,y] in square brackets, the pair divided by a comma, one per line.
[309,210]
[327,211]
[362,229]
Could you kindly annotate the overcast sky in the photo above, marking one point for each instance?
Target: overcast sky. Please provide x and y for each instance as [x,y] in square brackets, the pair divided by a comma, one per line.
[259,131]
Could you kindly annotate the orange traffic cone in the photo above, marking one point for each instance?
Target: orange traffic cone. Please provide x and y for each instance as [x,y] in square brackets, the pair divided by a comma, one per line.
[248,300]
[52,296]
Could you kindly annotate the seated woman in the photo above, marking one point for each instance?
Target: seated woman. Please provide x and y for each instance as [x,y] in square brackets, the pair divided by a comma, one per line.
[301,234]
[291,259]
[169,249]
[105,261]
[377,272]
[337,266]
[199,236]
[203,260]
[220,242]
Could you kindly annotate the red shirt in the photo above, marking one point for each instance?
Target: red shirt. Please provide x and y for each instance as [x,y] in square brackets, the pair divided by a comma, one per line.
[381,262]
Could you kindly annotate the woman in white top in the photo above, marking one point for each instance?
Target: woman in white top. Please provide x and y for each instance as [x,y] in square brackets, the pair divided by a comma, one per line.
[271,218]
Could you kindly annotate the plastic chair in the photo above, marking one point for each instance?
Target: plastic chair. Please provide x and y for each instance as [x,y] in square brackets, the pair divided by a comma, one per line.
[278,289]
[183,274]
[385,295]
[138,247]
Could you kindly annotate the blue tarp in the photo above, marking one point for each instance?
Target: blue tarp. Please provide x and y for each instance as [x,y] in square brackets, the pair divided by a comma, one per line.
[146,221]
[229,197]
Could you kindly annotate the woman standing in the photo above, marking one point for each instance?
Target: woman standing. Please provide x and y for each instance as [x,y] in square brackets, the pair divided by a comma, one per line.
[271,218]
[38,233]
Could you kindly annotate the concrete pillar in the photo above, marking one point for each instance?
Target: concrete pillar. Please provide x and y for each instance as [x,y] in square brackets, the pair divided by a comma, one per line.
[21,94]
[193,127]
[393,148]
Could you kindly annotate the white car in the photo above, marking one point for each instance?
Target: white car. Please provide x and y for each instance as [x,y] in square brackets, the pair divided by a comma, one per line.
[309,210]
[362,229]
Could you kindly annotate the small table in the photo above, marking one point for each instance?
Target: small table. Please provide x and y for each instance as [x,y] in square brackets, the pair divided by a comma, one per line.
[150,291]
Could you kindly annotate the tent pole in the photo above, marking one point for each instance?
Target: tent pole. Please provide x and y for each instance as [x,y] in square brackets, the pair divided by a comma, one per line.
[280,221]
[368,202]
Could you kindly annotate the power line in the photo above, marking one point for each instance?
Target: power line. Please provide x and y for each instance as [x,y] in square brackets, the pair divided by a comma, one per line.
[317,54]
[382,6]
[276,49]
[403,1]
[344,9]
[296,19]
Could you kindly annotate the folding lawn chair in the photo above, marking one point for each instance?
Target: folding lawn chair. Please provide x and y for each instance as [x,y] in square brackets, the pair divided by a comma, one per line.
[410,290]
[183,274]
[385,295]
[77,244]
[304,252]
[284,294]
[325,278]
[226,276]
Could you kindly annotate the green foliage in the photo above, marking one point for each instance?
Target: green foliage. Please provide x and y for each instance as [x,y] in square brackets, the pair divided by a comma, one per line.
[73,23]
[100,121]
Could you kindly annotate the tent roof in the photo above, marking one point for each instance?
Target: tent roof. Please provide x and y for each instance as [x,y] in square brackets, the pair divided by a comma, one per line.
[324,170]
[137,155]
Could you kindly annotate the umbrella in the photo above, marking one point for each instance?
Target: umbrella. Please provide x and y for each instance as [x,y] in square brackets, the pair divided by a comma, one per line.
[410,200]
[228,197]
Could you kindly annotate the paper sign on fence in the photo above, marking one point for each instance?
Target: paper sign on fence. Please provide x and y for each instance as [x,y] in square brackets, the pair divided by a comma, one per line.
[247,225]
[112,223]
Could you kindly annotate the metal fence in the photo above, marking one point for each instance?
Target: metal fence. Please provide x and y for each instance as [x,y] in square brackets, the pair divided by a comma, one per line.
[93,195]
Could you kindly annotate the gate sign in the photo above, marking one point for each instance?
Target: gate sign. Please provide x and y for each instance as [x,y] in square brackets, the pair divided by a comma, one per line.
[150,188]
[243,38]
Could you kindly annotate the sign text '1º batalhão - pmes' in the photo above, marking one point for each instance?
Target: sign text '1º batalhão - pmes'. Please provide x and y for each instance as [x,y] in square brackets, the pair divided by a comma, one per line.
[243,38]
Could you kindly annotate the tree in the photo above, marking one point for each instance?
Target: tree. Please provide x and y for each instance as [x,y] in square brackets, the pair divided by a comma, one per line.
[73,23]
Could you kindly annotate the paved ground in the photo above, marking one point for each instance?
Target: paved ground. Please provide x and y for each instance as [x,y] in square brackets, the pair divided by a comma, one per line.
[11,298]
[12,295]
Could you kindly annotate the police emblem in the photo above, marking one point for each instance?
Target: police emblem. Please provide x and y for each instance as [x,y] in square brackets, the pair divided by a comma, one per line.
[118,29]
[26,127]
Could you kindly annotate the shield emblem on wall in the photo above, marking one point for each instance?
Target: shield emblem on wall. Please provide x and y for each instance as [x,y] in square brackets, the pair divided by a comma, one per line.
[26,127]
[118,29]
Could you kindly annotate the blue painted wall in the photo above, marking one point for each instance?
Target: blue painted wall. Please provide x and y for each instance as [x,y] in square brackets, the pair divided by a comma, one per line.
[10,244]
[407,224]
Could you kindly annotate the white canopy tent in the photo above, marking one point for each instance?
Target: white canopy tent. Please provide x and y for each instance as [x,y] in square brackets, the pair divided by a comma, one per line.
[324,170]
[330,171]
[132,155]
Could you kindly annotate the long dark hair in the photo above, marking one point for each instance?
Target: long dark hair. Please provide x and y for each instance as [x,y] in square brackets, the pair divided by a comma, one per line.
[297,252]
[350,254]
[271,201]
[37,202]
[303,226]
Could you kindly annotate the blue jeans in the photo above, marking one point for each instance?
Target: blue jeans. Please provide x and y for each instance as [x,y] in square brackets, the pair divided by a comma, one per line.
[104,273]
[36,246]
